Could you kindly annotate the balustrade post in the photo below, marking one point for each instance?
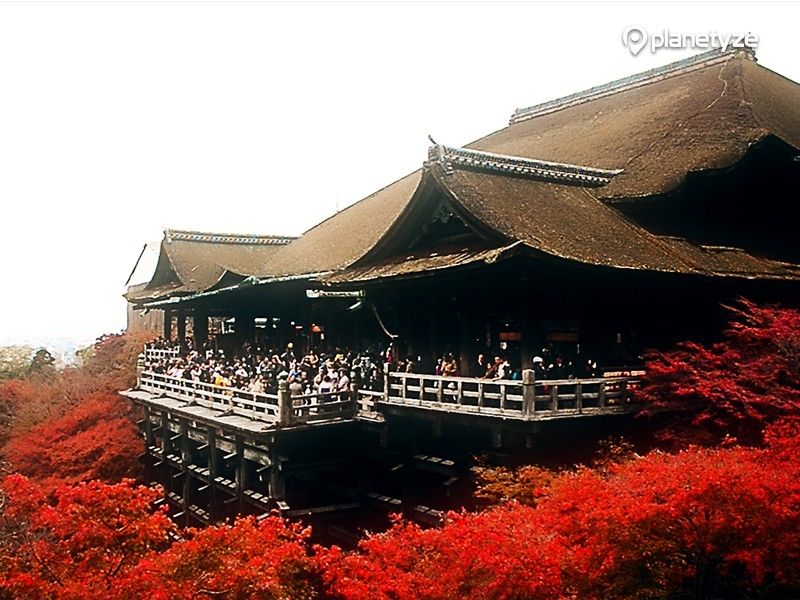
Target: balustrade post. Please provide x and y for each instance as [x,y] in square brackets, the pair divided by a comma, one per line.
[601,395]
[140,361]
[354,395]
[528,393]
[385,382]
[554,398]
[623,392]
[284,401]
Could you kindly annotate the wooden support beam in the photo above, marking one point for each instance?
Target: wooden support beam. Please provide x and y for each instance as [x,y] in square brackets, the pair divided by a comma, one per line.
[277,484]
[148,427]
[497,437]
[186,459]
[211,436]
[316,510]
[241,471]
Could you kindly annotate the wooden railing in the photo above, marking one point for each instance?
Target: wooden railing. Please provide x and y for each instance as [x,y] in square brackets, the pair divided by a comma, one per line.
[281,408]
[310,408]
[526,399]
[153,354]
[254,405]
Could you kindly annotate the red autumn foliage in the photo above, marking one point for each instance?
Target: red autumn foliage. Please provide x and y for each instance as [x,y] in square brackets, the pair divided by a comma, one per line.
[80,544]
[704,522]
[108,366]
[700,523]
[72,425]
[96,440]
[107,541]
[733,388]
[249,559]
[499,553]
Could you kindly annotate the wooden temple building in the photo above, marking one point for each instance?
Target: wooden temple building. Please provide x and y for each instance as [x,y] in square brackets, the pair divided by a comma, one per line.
[617,218]
[601,224]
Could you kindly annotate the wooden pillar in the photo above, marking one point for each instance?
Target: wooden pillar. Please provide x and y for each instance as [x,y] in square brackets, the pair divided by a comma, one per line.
[200,328]
[181,326]
[148,428]
[435,347]
[211,439]
[469,348]
[167,333]
[277,483]
[165,435]
[241,471]
[186,460]
[528,347]
[245,327]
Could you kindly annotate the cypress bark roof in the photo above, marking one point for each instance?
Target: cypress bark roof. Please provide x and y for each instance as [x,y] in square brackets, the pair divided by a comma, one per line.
[194,261]
[545,181]
[703,115]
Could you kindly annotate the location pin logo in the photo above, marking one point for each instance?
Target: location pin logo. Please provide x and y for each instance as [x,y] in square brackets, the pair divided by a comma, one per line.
[634,39]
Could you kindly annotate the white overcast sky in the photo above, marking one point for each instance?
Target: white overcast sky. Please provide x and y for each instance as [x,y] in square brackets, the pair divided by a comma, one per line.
[118,119]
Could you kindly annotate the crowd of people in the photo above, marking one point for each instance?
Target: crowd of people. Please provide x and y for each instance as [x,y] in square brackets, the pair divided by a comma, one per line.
[258,369]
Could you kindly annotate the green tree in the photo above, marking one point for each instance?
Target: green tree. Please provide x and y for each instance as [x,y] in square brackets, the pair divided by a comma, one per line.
[14,361]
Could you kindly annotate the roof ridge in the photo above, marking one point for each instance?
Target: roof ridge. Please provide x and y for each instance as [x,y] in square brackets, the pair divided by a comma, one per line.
[672,69]
[448,157]
[225,238]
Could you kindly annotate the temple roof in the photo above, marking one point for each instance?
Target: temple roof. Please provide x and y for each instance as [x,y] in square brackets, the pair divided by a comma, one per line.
[346,236]
[194,261]
[419,263]
[545,177]
[544,181]
[703,113]
[573,223]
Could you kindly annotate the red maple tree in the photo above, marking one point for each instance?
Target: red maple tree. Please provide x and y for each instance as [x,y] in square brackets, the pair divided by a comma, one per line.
[96,440]
[267,558]
[731,389]
[78,543]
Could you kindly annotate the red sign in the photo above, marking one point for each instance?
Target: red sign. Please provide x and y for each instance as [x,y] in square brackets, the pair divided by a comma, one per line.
[510,336]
